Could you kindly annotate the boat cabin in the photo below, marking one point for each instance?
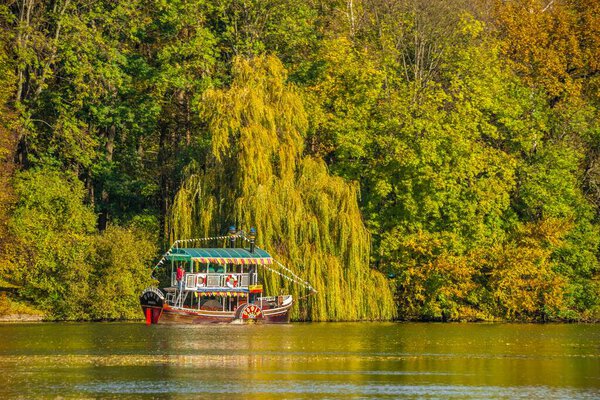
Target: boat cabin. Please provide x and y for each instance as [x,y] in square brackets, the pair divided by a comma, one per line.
[215,279]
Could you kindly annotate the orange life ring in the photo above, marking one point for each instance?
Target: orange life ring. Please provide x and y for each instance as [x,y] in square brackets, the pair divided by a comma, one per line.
[231,281]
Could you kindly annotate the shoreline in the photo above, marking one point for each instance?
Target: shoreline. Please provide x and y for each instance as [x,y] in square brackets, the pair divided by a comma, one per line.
[8,318]
[20,318]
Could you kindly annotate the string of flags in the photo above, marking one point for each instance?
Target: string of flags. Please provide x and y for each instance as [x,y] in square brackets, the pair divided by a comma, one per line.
[238,235]
[176,243]
[221,294]
[162,260]
[296,279]
[300,280]
[290,279]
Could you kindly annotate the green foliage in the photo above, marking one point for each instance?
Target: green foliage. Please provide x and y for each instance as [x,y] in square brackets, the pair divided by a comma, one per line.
[52,230]
[9,305]
[519,277]
[121,260]
[308,219]
[468,132]
[8,126]
[59,261]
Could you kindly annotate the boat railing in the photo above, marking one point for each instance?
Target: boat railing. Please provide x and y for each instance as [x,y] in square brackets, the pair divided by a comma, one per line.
[195,281]
[170,298]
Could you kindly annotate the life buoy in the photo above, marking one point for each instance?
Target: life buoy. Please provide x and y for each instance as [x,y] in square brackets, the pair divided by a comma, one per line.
[231,281]
[201,280]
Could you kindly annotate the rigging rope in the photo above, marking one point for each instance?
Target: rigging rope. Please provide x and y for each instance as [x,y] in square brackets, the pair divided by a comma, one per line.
[300,282]
[298,279]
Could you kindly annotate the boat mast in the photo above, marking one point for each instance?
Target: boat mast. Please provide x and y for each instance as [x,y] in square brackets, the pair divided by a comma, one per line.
[252,267]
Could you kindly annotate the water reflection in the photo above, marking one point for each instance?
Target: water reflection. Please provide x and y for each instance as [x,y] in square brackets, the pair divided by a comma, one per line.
[362,360]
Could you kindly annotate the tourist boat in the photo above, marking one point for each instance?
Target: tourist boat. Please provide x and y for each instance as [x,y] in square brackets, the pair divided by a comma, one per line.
[219,285]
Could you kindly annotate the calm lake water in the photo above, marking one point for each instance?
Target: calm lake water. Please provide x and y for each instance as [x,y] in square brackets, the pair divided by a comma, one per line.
[297,361]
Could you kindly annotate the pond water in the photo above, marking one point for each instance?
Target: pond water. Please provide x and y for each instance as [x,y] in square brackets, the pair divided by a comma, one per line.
[300,360]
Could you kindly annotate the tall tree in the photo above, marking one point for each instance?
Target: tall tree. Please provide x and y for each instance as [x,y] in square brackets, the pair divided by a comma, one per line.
[257,176]
[8,134]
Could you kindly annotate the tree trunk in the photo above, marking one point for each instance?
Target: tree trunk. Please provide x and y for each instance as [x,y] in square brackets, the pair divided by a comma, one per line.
[164,183]
[104,197]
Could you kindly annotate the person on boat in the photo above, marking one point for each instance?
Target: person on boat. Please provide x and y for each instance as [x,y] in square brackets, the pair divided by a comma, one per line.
[180,278]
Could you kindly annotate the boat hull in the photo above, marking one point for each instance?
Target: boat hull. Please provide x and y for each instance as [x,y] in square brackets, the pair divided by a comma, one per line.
[175,315]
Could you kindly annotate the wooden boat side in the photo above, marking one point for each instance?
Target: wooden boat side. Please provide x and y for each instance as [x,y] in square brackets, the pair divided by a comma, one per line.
[175,315]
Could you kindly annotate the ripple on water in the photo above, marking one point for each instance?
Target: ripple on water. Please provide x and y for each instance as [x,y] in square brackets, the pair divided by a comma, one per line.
[336,390]
[312,361]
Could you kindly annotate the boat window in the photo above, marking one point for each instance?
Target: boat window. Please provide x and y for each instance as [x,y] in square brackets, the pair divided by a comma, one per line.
[218,268]
[190,282]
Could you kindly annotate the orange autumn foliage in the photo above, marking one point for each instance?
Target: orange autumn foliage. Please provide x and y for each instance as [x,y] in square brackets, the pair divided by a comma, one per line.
[552,44]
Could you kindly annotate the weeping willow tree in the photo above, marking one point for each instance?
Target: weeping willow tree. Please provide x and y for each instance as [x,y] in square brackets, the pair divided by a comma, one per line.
[256,175]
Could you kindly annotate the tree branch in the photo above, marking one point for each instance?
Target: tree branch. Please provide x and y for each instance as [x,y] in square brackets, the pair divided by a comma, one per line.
[548,6]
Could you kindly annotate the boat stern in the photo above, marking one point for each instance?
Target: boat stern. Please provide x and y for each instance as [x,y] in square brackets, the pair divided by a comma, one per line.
[152,302]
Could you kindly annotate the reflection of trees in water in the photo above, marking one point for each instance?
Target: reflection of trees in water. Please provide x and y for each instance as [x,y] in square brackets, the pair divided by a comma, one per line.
[104,360]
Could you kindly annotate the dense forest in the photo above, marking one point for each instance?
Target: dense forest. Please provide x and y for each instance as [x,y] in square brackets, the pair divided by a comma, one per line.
[412,159]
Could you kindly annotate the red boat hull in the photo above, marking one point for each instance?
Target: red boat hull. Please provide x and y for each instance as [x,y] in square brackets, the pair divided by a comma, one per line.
[172,315]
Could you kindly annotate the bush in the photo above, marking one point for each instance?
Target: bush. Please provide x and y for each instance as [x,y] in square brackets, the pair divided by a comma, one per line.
[122,259]
[53,232]
[62,264]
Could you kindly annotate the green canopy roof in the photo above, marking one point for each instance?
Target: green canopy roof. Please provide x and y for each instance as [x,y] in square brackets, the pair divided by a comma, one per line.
[221,255]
